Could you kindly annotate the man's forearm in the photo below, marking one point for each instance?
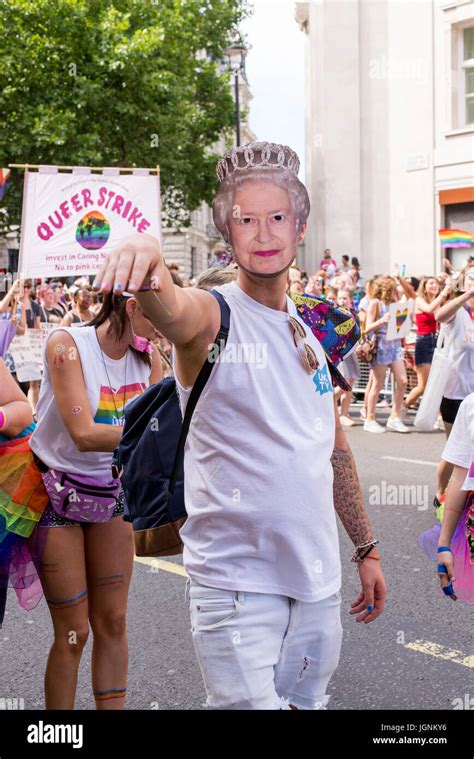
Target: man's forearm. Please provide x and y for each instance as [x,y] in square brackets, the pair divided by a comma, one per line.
[347,494]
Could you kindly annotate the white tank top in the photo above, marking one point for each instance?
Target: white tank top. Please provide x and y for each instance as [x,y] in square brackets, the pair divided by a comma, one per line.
[51,441]
[461,332]
[258,475]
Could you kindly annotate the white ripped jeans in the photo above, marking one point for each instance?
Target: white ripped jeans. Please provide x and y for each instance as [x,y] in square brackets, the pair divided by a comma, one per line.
[263,651]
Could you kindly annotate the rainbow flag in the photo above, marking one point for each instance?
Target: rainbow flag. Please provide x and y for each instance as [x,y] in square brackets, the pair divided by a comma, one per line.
[456,238]
[111,406]
[4,174]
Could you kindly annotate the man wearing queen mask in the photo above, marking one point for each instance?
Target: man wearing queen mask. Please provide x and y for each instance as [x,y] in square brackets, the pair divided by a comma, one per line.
[267,465]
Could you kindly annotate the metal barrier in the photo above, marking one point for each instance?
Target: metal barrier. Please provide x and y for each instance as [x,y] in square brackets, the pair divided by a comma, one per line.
[387,391]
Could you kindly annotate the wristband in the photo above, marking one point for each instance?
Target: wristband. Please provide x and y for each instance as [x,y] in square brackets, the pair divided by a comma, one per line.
[443,548]
[4,420]
[359,556]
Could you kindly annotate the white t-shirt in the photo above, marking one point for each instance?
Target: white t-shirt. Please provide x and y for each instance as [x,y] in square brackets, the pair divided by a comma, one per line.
[331,271]
[258,475]
[51,441]
[461,332]
[459,449]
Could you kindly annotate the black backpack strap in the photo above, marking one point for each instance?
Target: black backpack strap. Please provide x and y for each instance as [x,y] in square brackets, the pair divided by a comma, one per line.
[199,385]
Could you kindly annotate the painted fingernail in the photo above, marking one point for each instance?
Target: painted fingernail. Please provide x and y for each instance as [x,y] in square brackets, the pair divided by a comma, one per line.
[106,286]
[370,608]
[95,284]
[118,286]
[132,286]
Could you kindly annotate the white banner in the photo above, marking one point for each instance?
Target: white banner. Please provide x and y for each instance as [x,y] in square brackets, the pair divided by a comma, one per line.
[401,313]
[72,221]
[27,353]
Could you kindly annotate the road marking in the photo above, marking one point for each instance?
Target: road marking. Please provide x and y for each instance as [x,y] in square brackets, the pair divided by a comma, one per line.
[410,461]
[167,566]
[442,652]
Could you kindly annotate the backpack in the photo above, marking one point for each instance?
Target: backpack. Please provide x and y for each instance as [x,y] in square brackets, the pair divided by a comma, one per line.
[149,458]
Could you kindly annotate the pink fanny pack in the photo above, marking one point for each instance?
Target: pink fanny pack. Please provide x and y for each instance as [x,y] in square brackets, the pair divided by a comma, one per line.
[80,498]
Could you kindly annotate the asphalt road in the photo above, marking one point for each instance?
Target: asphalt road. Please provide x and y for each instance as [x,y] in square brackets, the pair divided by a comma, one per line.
[418,655]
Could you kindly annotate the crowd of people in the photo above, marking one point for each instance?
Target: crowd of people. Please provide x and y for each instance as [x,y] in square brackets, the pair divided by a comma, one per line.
[251,561]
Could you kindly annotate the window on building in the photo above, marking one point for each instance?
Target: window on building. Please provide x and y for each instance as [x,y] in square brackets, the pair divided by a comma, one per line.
[194,270]
[13,254]
[468,74]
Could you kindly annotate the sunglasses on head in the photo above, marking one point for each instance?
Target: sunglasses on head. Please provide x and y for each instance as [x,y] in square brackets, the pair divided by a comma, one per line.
[306,353]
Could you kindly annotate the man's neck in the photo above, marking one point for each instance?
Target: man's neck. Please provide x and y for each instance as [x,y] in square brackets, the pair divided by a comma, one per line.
[267,291]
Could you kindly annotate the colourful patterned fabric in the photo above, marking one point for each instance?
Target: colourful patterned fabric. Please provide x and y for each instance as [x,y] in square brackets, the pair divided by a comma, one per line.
[336,328]
[22,502]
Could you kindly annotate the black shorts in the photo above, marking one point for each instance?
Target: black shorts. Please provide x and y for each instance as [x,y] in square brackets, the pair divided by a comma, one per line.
[424,348]
[449,409]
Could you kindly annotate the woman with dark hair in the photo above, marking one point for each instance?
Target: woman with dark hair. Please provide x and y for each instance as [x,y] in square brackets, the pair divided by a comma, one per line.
[81,311]
[91,373]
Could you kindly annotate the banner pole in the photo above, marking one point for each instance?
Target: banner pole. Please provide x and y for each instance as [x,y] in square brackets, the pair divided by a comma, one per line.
[21,256]
[27,166]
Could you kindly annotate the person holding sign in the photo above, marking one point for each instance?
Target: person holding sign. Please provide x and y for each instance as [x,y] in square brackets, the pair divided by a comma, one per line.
[389,354]
[12,321]
[91,373]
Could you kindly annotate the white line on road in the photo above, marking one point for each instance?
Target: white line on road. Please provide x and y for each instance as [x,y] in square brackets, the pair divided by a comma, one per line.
[442,652]
[411,461]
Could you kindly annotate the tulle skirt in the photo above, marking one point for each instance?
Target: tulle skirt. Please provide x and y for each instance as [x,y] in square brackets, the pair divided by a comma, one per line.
[462,546]
[23,499]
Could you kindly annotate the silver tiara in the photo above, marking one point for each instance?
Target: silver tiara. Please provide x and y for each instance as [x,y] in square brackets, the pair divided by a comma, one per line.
[257,155]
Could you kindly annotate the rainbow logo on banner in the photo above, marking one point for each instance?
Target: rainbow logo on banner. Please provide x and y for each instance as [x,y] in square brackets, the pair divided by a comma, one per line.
[456,238]
[107,413]
[93,231]
[4,174]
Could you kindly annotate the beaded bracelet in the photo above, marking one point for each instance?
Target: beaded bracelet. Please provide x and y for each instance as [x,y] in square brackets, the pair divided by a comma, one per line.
[4,420]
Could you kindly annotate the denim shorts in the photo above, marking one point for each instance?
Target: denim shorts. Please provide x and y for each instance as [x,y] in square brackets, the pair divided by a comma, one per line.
[424,348]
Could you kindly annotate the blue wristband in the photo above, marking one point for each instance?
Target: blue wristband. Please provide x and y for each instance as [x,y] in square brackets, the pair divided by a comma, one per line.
[442,569]
[444,548]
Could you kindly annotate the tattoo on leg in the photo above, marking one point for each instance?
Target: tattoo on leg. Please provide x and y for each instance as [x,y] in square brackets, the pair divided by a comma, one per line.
[110,580]
[49,567]
[68,603]
[348,500]
[106,695]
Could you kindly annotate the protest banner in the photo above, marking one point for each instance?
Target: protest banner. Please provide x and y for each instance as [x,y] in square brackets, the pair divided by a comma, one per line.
[71,221]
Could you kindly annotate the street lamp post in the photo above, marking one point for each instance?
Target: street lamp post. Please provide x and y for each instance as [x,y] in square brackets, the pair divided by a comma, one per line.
[236,54]
[237,107]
